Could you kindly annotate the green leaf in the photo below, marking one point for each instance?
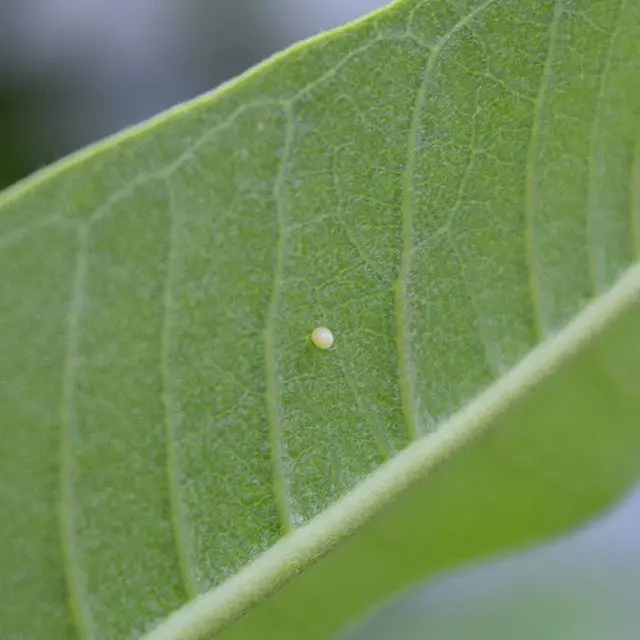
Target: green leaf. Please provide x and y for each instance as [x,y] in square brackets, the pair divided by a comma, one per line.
[452,188]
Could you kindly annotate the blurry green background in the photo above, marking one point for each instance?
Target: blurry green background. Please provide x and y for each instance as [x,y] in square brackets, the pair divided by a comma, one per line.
[74,71]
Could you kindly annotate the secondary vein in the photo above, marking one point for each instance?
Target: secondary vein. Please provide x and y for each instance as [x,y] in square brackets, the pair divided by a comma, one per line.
[270,346]
[68,539]
[597,279]
[406,369]
[173,476]
[539,328]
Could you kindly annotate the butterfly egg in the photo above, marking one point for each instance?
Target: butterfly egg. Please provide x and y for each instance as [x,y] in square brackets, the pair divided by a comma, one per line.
[322,338]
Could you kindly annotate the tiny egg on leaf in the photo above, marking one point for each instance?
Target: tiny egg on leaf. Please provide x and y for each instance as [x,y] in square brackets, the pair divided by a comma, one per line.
[322,338]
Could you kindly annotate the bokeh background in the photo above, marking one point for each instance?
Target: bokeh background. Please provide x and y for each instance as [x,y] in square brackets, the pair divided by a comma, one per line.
[74,71]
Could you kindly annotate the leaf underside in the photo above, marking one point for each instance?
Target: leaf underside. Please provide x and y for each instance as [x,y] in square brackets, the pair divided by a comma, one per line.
[445,185]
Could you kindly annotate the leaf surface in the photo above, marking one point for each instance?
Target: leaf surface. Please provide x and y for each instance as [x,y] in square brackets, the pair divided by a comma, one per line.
[452,188]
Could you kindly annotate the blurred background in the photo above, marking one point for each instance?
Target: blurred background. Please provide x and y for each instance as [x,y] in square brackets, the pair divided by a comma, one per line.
[74,71]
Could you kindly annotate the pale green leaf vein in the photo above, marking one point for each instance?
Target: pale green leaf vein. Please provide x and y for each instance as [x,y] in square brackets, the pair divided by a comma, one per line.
[70,553]
[178,517]
[406,369]
[362,252]
[370,417]
[539,324]
[55,220]
[270,343]
[330,73]
[22,233]
[595,164]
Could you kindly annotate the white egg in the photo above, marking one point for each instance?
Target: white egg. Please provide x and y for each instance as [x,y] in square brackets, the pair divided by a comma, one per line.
[322,338]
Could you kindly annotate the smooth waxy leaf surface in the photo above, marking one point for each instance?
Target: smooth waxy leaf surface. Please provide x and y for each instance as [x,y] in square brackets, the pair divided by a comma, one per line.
[445,185]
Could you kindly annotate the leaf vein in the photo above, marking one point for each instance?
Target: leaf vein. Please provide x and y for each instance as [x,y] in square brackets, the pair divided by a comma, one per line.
[594,179]
[73,572]
[22,233]
[178,517]
[539,328]
[270,346]
[406,369]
